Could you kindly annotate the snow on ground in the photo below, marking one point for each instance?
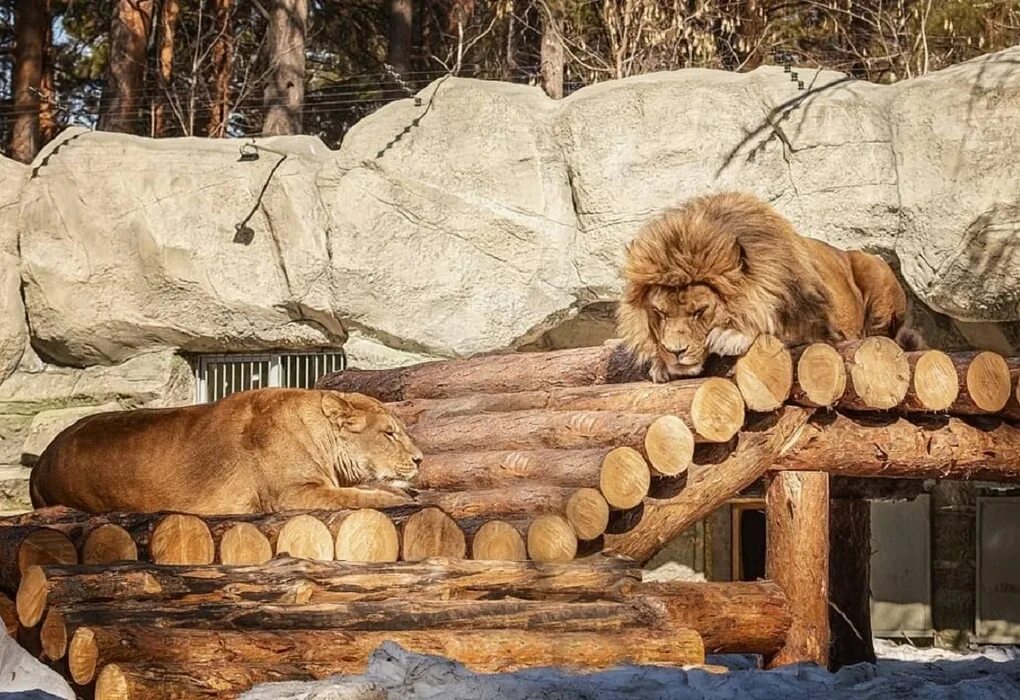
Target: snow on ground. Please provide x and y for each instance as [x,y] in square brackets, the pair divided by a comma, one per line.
[902,673]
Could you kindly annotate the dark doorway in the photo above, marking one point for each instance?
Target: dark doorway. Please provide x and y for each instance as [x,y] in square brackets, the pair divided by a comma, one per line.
[751,539]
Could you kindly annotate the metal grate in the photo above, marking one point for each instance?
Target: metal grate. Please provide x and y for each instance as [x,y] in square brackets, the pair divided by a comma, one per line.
[218,376]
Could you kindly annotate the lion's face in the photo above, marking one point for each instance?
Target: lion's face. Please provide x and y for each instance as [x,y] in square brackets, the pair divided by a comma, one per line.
[374,444]
[682,320]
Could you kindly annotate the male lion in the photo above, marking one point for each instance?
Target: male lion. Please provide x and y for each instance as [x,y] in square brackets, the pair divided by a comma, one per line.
[714,273]
[252,452]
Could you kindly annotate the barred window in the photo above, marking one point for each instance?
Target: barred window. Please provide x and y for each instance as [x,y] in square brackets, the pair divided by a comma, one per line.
[217,376]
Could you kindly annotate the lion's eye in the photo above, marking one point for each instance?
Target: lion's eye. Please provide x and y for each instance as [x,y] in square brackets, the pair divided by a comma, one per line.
[698,313]
[660,313]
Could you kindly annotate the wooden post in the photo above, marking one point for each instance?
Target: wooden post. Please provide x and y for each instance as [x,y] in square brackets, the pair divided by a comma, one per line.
[797,550]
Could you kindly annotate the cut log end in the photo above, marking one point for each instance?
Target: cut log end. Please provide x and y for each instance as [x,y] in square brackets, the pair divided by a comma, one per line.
[988,381]
[112,684]
[367,535]
[550,538]
[45,546]
[717,410]
[821,374]
[935,381]
[432,533]
[243,544]
[588,513]
[182,539]
[765,374]
[305,537]
[53,635]
[498,541]
[625,478]
[669,445]
[31,598]
[880,373]
[108,544]
[82,656]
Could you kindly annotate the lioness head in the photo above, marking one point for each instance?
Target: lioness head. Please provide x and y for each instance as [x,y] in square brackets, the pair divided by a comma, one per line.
[371,444]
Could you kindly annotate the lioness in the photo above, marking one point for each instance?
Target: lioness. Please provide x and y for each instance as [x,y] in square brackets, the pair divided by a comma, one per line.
[711,275]
[252,452]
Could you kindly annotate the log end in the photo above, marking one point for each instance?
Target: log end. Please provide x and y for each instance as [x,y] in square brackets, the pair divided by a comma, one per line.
[31,598]
[432,533]
[588,513]
[935,381]
[764,374]
[182,539]
[45,546]
[551,539]
[498,541]
[367,535]
[244,544]
[53,635]
[82,656]
[112,684]
[989,382]
[880,372]
[625,478]
[821,374]
[717,410]
[108,544]
[669,445]
[305,537]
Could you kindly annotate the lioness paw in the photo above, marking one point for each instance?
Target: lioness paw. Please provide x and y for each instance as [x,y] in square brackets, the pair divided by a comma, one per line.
[383,496]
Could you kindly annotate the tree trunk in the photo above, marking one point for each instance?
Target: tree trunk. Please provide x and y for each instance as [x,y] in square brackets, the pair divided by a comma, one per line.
[398,53]
[552,54]
[31,22]
[610,363]
[797,549]
[222,68]
[850,583]
[125,79]
[169,12]
[661,520]
[48,124]
[284,95]
[320,582]
[227,666]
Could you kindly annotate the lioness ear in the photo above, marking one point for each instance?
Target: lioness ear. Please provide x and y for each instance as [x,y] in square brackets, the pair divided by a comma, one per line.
[343,413]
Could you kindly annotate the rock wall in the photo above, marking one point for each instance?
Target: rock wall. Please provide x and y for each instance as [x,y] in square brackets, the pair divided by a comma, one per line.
[486,217]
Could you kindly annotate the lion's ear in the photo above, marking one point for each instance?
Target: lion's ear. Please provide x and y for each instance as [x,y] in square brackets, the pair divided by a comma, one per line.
[745,263]
[343,413]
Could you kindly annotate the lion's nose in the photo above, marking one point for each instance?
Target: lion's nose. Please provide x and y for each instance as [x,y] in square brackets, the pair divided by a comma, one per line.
[417,459]
[680,352]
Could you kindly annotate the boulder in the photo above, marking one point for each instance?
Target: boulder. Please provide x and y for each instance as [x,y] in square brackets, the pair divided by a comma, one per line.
[131,245]
[13,325]
[24,677]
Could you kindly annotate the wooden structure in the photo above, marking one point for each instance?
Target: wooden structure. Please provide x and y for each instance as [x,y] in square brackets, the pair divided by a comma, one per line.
[533,463]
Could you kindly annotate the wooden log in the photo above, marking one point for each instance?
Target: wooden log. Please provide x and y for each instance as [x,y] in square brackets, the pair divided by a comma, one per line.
[551,539]
[532,430]
[849,582]
[22,547]
[609,363]
[879,371]
[934,384]
[797,559]
[523,501]
[227,658]
[821,376]
[669,446]
[732,618]
[625,478]
[367,535]
[305,537]
[243,544]
[664,519]
[498,541]
[108,544]
[911,447]
[588,513]
[432,533]
[764,374]
[375,616]
[319,582]
[499,469]
[717,410]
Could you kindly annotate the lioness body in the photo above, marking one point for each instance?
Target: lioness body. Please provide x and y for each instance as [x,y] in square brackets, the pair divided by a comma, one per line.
[711,275]
[255,451]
